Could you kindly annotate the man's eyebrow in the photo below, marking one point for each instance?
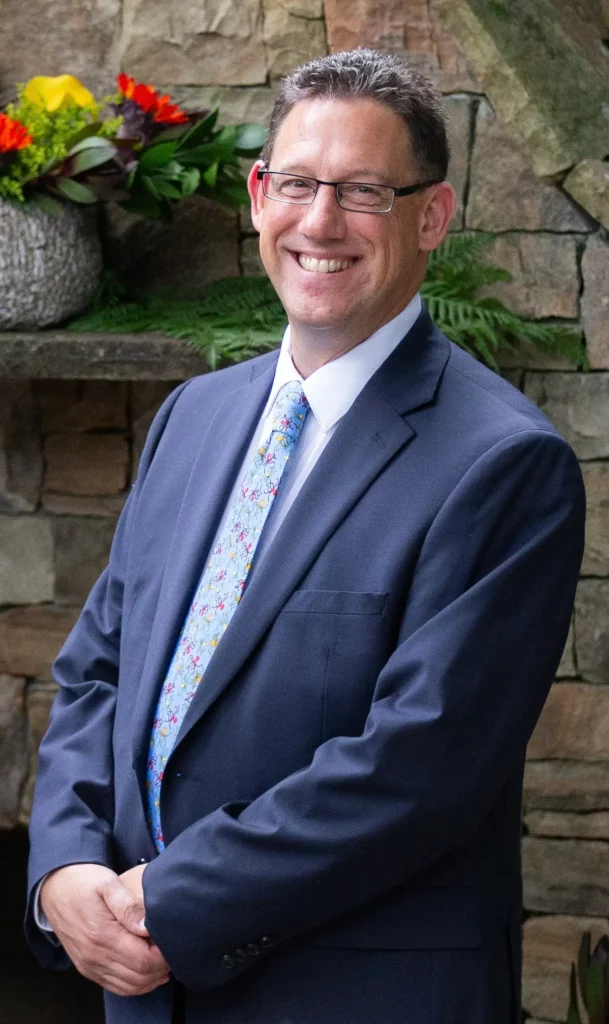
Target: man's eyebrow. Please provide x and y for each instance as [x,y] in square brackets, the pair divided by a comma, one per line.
[362,174]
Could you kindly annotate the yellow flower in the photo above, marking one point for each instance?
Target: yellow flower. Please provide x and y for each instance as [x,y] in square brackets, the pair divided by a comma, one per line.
[56,93]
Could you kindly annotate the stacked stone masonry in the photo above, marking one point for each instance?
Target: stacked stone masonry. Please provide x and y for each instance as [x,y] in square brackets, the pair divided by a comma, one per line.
[69,449]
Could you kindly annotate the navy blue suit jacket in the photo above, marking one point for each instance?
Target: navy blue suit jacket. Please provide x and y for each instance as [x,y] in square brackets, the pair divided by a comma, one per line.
[342,807]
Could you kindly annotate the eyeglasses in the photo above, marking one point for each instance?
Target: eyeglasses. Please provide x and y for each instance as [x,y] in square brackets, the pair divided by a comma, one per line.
[359,196]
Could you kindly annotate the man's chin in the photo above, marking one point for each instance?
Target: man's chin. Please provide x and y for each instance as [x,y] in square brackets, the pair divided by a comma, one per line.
[321,320]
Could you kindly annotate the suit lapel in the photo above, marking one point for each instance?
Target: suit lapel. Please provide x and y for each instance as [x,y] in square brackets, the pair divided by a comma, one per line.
[367,438]
[220,455]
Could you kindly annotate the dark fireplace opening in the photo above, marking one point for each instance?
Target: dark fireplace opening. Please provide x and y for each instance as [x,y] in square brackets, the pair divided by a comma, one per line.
[29,994]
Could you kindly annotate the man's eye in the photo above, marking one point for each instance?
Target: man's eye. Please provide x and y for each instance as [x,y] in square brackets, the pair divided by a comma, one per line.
[361,190]
[296,183]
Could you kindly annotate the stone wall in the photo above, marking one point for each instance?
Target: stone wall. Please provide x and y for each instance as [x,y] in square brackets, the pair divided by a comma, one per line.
[69,449]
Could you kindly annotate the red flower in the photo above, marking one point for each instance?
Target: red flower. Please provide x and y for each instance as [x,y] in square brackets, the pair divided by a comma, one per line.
[149,101]
[169,113]
[13,135]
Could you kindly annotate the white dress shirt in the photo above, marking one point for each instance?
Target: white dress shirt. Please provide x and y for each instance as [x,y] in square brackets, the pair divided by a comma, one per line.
[331,391]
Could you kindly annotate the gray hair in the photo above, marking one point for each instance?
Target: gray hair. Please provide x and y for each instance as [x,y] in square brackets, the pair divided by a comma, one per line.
[371,74]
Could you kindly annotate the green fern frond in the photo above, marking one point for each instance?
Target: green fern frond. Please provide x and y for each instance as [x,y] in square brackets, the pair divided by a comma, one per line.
[231,320]
[456,273]
[458,252]
[237,318]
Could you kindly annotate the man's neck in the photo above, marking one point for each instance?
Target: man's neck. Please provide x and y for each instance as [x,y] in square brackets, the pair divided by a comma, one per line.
[313,347]
[311,352]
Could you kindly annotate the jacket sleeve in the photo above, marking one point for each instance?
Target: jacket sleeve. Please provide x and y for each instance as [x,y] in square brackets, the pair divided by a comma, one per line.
[72,811]
[481,636]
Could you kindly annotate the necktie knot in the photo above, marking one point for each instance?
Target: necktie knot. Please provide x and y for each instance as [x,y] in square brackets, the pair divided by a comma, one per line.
[290,409]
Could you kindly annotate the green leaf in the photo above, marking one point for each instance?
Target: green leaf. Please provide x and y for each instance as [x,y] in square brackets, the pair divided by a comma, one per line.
[199,131]
[175,131]
[171,170]
[47,203]
[189,180]
[75,191]
[90,142]
[87,159]
[227,136]
[150,185]
[210,176]
[157,155]
[204,155]
[86,132]
[250,139]
[166,189]
[573,1016]
[595,997]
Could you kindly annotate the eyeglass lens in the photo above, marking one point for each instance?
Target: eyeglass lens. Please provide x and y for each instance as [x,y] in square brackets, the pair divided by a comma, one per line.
[350,195]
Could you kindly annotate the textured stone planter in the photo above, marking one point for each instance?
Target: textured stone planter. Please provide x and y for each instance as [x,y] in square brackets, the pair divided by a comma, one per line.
[49,266]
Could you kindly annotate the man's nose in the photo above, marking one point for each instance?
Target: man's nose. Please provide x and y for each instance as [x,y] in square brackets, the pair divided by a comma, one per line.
[323,217]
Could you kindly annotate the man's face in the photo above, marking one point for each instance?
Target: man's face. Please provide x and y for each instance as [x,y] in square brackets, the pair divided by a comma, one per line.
[343,140]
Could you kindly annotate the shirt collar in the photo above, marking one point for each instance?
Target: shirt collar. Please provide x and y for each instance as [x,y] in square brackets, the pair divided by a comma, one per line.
[332,389]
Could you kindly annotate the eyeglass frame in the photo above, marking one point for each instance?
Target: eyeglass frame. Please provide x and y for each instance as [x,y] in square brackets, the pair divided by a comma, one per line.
[408,190]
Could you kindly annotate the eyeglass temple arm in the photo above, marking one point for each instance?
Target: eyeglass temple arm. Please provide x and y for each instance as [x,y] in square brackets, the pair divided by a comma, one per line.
[410,189]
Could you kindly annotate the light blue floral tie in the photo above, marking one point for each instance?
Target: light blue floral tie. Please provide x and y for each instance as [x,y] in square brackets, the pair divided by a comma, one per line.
[220,588]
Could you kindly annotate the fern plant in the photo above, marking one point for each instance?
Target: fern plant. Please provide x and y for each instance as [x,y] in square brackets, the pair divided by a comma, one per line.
[592,973]
[237,318]
[231,320]
[456,271]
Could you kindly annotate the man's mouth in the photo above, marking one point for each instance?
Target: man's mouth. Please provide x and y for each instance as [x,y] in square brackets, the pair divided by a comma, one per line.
[323,266]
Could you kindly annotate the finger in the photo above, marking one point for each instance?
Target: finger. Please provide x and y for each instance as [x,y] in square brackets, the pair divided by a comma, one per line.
[120,979]
[123,905]
[137,953]
[111,948]
[130,982]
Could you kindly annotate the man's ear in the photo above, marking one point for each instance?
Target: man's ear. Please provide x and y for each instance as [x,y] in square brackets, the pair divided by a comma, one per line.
[254,187]
[436,214]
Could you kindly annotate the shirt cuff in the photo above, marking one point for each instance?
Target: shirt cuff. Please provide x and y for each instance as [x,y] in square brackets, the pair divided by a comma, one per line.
[41,918]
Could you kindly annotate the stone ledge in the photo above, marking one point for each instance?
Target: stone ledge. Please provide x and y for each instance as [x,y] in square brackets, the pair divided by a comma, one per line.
[69,355]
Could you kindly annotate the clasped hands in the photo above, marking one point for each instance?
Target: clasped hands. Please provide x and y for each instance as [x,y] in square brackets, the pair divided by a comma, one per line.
[98,916]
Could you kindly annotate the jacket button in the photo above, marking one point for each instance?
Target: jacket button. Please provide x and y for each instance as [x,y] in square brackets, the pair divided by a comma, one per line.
[240,956]
[253,949]
[228,961]
[269,940]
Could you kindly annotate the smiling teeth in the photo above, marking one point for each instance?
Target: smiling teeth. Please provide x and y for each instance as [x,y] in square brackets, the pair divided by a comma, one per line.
[323,266]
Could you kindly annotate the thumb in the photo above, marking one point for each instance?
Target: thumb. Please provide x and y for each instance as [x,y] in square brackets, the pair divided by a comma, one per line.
[125,907]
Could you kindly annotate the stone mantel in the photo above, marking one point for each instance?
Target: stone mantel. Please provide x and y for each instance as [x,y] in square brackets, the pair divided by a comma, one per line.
[60,354]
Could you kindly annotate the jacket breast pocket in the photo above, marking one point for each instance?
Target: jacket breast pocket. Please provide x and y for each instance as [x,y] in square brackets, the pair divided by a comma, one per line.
[353,630]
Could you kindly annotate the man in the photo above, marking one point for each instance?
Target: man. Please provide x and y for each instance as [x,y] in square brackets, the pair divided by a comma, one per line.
[282,779]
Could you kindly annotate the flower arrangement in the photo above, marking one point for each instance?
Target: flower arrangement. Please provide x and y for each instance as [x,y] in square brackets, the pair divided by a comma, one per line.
[57,142]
